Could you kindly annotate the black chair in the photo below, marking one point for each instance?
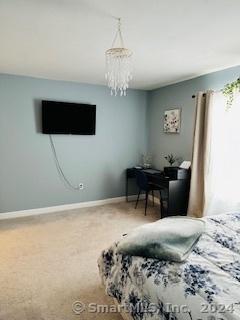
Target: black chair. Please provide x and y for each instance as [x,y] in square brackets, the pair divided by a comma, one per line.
[146,186]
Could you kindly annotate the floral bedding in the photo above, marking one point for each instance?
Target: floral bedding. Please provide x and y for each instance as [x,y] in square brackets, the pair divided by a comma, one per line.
[204,287]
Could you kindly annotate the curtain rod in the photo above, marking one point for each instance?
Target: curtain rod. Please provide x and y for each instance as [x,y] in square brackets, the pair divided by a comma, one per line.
[194,96]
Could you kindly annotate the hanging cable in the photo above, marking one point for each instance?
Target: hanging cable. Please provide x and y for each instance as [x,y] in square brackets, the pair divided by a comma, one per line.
[59,169]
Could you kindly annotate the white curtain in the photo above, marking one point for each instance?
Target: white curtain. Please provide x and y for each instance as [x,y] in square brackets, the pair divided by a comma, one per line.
[222,167]
[215,181]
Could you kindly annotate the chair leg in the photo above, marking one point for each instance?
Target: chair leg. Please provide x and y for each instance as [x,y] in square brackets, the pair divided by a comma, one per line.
[153,197]
[146,203]
[137,198]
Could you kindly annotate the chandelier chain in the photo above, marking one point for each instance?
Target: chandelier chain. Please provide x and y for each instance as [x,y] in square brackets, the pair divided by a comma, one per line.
[118,33]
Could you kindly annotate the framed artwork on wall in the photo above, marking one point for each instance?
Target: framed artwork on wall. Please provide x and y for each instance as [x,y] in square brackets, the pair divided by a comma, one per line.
[172,121]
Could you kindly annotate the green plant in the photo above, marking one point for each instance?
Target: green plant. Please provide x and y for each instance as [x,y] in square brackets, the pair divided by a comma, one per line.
[229,90]
[171,159]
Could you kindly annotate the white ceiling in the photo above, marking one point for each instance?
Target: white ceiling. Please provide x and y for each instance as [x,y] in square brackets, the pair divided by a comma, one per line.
[171,40]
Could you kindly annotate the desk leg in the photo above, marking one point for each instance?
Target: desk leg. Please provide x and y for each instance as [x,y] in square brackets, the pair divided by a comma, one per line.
[126,189]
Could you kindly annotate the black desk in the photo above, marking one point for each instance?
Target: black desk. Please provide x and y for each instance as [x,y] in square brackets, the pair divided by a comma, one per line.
[174,192]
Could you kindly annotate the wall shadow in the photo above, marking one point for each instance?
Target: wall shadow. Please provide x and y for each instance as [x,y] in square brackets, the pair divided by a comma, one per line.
[37,108]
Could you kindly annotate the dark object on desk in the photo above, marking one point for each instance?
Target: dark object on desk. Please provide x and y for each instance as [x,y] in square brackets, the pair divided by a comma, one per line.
[146,186]
[176,173]
[174,189]
[151,171]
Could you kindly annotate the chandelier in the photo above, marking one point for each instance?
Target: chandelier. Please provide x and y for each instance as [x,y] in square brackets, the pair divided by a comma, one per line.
[118,65]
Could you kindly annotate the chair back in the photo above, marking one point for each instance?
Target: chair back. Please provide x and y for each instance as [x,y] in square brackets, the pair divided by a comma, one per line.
[142,180]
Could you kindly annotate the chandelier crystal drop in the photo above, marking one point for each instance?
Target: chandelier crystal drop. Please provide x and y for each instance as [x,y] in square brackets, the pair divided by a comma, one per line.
[118,65]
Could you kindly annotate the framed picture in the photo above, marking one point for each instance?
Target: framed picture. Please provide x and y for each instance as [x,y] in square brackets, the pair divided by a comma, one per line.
[172,121]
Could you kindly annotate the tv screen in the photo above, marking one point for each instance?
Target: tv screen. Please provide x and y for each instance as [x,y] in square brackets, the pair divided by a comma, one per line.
[68,118]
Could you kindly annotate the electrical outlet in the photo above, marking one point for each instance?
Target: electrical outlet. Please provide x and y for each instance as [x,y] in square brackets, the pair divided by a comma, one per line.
[81,186]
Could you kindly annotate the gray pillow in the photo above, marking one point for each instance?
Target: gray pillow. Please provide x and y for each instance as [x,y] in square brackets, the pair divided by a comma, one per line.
[169,239]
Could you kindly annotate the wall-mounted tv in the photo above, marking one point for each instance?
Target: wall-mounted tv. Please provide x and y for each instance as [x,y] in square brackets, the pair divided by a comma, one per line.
[68,118]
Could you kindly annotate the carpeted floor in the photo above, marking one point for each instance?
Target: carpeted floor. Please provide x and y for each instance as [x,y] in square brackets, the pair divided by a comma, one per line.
[48,262]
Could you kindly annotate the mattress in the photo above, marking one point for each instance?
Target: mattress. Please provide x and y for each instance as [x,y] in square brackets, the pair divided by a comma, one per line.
[204,287]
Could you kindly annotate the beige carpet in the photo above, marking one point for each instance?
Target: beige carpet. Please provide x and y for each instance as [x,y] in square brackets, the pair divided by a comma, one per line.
[48,262]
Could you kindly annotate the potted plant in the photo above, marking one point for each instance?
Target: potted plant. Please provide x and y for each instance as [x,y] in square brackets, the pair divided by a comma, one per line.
[171,159]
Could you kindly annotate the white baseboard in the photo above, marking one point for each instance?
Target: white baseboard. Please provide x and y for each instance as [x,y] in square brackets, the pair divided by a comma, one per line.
[46,210]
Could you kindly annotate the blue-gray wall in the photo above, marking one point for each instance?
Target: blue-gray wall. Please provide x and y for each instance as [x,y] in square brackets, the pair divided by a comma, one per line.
[180,96]
[28,176]
[126,128]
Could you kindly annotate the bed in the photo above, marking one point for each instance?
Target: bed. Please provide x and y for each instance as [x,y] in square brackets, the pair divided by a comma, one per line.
[204,287]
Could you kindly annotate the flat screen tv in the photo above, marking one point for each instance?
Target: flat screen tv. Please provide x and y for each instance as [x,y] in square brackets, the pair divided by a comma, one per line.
[68,118]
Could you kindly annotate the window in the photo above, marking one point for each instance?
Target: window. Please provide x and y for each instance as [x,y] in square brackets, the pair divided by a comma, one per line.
[223,164]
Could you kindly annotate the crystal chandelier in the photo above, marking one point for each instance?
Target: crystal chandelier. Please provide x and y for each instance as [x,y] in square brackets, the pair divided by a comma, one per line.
[118,65]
